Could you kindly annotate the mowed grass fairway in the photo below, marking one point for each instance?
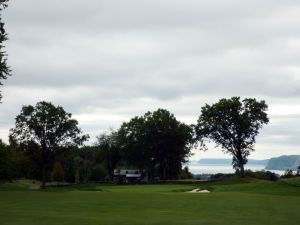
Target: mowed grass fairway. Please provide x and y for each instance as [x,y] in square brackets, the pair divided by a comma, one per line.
[231,203]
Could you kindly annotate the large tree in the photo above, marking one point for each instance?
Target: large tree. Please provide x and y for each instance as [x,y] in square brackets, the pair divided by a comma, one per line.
[47,128]
[4,69]
[233,125]
[157,143]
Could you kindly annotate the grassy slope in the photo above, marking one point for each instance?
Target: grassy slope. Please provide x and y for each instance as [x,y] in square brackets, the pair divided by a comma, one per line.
[229,203]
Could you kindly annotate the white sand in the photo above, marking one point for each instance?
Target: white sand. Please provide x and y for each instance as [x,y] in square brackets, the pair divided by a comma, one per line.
[198,191]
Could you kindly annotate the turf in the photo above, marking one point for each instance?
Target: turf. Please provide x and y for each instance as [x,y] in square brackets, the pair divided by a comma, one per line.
[229,203]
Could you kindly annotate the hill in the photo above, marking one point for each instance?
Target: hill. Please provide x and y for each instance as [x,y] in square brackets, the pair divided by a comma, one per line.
[285,162]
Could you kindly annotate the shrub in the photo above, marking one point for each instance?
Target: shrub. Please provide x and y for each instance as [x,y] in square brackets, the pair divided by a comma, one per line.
[262,175]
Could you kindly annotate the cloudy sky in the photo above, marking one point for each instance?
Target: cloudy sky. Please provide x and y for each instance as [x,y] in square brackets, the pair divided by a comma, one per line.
[107,61]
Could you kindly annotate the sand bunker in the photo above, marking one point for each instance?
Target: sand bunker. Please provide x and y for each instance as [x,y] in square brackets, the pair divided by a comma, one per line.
[197,190]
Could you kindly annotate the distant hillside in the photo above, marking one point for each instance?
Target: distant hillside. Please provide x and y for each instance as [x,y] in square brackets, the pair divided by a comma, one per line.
[222,161]
[284,162]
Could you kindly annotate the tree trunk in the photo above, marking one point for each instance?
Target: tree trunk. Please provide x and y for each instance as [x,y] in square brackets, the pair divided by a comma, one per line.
[242,170]
[240,157]
[44,166]
[240,163]
[43,186]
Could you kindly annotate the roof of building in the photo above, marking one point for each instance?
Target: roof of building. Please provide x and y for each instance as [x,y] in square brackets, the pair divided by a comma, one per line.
[127,172]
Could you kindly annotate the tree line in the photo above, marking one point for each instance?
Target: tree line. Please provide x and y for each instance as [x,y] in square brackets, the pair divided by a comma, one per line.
[47,143]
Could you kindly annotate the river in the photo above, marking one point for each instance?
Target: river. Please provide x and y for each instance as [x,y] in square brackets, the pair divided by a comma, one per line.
[217,168]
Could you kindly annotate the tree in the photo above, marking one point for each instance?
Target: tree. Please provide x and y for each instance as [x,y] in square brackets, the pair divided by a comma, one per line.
[47,128]
[233,125]
[99,173]
[185,173]
[11,161]
[157,143]
[4,69]
[132,137]
[109,151]
[84,163]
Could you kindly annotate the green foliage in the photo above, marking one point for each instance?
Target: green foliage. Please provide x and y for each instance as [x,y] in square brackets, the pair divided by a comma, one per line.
[262,174]
[58,173]
[10,162]
[47,126]
[185,174]
[87,164]
[99,173]
[233,125]
[47,129]
[108,152]
[6,168]
[83,164]
[156,143]
[4,68]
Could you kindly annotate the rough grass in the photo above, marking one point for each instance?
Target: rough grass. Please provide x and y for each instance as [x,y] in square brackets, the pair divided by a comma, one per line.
[233,202]
[293,181]
[21,184]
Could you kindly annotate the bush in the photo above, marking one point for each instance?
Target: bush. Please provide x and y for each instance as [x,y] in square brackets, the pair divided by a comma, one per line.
[217,176]
[220,176]
[262,175]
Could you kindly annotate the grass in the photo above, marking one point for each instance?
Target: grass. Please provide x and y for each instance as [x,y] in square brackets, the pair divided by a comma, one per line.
[233,202]
[293,181]
[21,184]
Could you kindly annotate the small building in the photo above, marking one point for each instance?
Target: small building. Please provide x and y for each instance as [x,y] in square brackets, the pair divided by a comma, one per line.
[127,176]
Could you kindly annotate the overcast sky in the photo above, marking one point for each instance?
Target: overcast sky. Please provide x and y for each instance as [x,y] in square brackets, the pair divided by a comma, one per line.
[107,61]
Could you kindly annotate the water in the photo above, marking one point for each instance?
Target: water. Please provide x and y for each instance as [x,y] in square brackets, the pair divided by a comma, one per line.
[213,169]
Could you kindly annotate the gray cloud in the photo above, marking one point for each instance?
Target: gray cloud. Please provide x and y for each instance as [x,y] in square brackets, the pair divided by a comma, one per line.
[106,61]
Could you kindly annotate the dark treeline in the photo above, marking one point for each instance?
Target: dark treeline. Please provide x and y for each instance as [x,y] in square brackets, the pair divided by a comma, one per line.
[47,144]
[78,165]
